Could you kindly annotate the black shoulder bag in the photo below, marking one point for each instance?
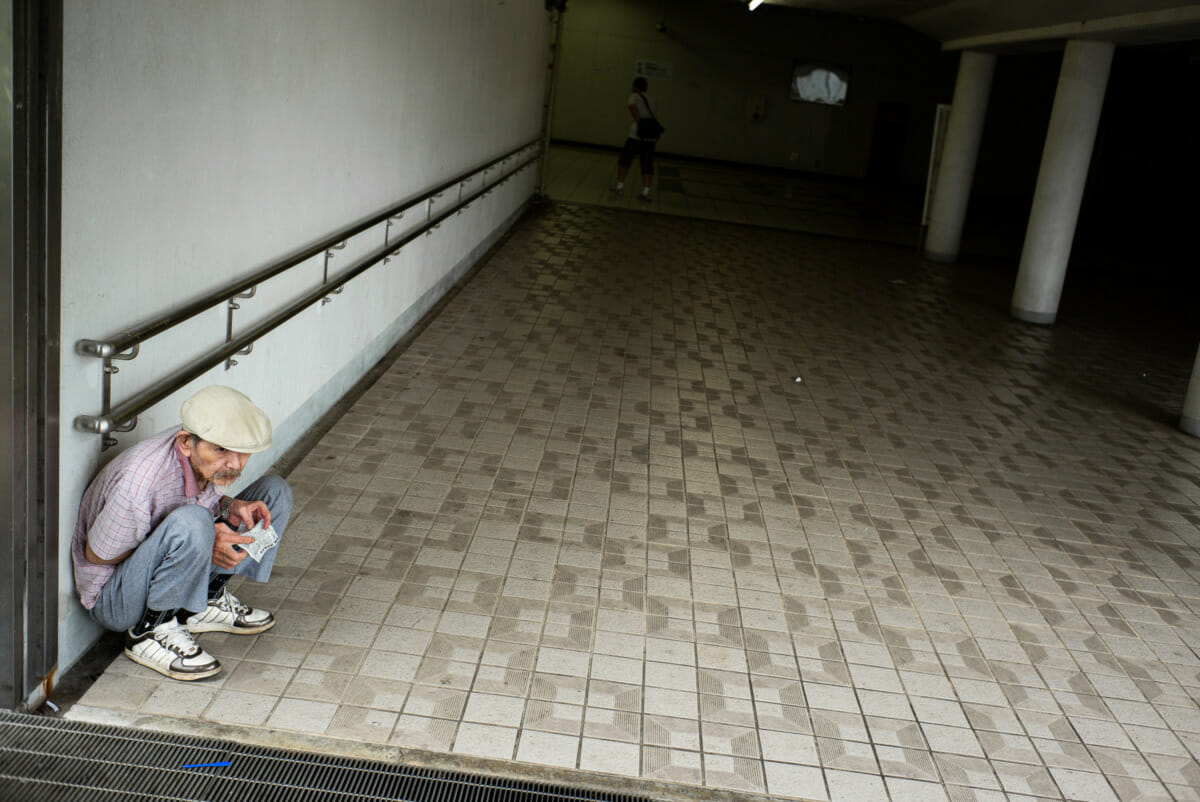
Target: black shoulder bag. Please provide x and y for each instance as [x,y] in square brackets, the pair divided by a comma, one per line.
[649,127]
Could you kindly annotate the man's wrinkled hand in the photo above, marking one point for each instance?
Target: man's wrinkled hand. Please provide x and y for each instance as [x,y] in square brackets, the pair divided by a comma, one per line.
[248,513]
[224,553]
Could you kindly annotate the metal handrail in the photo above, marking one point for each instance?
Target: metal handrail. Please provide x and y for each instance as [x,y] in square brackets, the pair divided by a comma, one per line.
[128,339]
[125,346]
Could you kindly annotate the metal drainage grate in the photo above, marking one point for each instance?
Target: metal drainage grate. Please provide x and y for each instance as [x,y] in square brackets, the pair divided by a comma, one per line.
[66,761]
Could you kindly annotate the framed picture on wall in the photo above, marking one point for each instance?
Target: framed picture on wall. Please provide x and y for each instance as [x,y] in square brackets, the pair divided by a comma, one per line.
[815,82]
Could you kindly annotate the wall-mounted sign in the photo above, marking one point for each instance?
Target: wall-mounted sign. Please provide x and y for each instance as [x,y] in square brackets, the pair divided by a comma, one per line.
[653,69]
[819,83]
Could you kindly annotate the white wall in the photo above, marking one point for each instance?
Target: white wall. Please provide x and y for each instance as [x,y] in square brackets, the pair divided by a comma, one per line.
[203,141]
[722,55]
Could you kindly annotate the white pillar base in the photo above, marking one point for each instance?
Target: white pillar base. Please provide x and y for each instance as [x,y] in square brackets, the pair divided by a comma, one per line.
[938,256]
[1189,421]
[1190,425]
[1061,177]
[1032,316]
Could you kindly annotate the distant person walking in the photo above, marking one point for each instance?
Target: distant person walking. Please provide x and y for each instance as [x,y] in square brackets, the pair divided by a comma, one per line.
[643,134]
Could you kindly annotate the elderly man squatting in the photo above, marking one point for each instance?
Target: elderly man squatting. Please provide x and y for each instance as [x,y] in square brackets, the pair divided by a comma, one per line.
[155,542]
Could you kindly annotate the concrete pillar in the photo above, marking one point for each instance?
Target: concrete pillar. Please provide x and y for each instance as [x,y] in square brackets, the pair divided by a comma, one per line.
[1065,157]
[1189,421]
[952,186]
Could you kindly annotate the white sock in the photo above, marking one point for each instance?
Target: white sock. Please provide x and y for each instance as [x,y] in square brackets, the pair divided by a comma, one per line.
[620,185]
[645,190]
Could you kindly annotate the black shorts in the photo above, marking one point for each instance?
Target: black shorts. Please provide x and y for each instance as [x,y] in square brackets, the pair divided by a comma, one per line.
[643,149]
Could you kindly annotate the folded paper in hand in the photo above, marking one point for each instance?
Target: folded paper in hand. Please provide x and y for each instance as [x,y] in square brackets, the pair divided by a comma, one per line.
[264,539]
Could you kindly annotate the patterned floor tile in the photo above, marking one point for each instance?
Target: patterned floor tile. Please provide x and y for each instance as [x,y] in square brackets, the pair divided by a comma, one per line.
[422,732]
[848,786]
[548,749]
[751,510]
[734,773]
[362,724]
[485,740]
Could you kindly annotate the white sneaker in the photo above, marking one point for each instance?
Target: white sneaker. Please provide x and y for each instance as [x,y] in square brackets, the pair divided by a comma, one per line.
[171,650]
[228,613]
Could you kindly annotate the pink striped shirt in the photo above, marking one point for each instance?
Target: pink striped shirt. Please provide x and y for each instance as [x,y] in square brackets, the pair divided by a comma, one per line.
[126,501]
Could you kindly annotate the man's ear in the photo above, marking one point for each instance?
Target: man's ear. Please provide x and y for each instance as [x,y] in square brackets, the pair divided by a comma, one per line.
[184,441]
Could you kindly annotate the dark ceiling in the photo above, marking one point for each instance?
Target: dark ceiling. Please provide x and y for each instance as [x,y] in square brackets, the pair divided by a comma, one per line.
[1003,24]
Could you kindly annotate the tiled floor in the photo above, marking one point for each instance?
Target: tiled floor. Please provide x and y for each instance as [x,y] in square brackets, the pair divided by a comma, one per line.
[794,201]
[741,509]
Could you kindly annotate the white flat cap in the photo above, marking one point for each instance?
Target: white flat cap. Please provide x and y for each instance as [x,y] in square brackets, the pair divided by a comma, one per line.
[223,416]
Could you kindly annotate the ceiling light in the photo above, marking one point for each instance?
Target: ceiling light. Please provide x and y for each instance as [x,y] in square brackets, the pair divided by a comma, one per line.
[755,4]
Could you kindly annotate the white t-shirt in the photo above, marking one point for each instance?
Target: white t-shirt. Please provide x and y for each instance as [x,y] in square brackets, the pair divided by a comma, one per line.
[635,100]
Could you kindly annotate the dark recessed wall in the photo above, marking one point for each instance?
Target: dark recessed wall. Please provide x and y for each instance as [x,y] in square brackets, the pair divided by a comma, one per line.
[1140,207]
[725,62]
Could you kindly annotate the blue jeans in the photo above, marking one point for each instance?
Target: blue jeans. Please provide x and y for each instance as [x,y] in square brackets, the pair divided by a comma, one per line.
[172,567]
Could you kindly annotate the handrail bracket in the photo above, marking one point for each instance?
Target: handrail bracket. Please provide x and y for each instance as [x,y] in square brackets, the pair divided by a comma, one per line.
[123,417]
[230,362]
[230,308]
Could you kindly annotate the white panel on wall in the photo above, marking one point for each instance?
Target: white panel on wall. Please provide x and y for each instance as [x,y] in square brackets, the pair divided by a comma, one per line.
[205,141]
